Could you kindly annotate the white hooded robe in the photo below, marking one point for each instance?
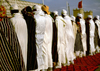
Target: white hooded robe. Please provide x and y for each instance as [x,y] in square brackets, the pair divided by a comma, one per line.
[21,29]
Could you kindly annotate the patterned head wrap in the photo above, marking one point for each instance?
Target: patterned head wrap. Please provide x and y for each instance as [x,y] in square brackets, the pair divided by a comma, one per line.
[2,11]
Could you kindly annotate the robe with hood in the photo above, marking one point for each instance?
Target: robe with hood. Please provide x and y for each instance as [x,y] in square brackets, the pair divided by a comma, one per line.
[47,44]
[60,24]
[96,37]
[83,36]
[31,51]
[21,29]
[69,37]
[92,31]
[39,35]
[78,42]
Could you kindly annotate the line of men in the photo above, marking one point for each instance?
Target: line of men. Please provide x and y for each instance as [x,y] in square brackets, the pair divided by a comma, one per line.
[43,40]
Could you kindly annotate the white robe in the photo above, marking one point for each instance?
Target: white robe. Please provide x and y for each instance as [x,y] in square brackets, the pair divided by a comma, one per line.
[83,36]
[98,24]
[21,29]
[70,40]
[92,30]
[60,24]
[39,36]
[74,29]
[47,44]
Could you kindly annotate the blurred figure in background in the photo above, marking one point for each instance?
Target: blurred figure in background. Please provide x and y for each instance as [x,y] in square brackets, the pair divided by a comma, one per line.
[90,29]
[69,38]
[78,47]
[60,24]
[96,37]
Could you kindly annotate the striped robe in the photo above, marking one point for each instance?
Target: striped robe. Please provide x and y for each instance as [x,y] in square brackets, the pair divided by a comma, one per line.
[11,55]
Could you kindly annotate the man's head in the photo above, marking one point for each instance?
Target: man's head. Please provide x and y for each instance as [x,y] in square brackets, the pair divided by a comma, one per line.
[63,13]
[45,9]
[80,16]
[55,14]
[14,9]
[97,16]
[89,17]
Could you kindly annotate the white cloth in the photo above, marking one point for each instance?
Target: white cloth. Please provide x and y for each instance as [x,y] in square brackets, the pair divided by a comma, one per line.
[40,30]
[47,44]
[21,30]
[98,24]
[60,24]
[69,39]
[92,30]
[74,29]
[82,22]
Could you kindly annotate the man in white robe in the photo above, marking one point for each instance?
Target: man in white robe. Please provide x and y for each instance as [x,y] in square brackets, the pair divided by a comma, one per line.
[69,38]
[60,24]
[97,22]
[21,29]
[83,36]
[39,36]
[92,30]
[47,44]
[74,26]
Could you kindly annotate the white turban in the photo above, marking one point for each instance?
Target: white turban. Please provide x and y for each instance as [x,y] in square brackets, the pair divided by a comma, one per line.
[97,16]
[38,10]
[14,7]
[37,7]
[73,18]
[64,12]
[80,15]
[55,13]
[89,16]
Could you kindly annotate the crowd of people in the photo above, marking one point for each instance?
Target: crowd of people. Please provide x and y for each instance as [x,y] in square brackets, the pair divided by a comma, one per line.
[39,40]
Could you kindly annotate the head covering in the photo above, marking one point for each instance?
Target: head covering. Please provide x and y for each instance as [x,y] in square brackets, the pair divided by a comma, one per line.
[89,16]
[55,13]
[80,15]
[37,10]
[37,7]
[46,9]
[27,11]
[14,7]
[97,16]
[73,18]
[2,11]
[64,12]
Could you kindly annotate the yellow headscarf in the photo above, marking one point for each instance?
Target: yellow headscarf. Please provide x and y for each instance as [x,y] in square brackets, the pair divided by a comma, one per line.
[2,11]
[46,9]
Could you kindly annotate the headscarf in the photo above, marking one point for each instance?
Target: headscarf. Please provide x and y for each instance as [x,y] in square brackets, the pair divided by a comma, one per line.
[89,16]
[46,9]
[80,15]
[27,11]
[2,12]
[14,7]
[64,12]
[55,13]
[97,16]
[73,18]
[37,9]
